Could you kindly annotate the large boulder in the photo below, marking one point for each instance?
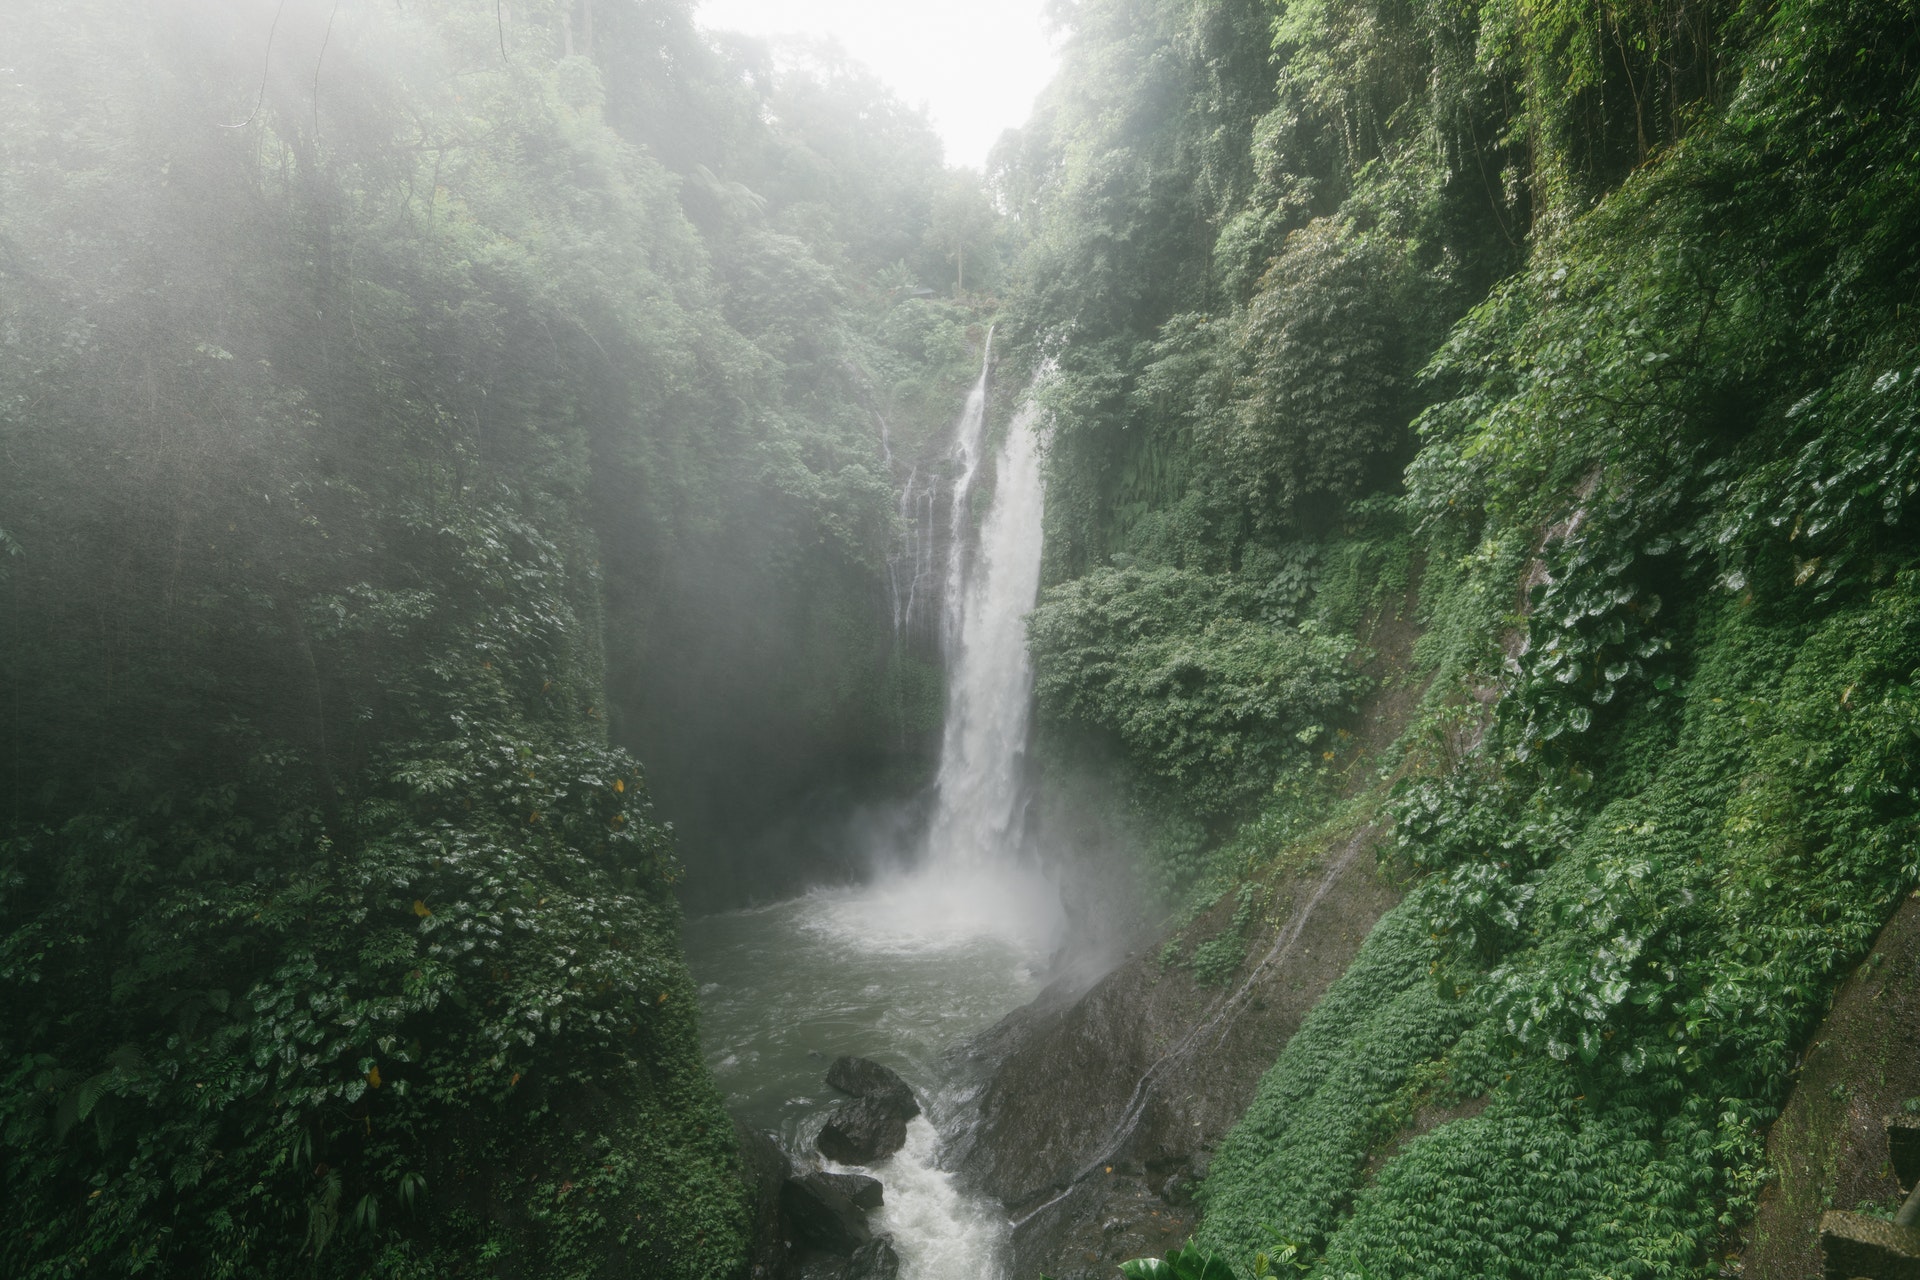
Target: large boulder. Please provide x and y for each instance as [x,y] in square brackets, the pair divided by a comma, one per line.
[858,1187]
[865,1078]
[824,1216]
[765,1168]
[874,1125]
[863,1131]
[875,1260]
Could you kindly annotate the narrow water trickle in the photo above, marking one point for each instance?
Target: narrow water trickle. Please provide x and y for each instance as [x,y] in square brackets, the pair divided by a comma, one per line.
[953,937]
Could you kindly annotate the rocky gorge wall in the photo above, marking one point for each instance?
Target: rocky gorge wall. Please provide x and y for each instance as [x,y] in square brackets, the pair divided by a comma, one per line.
[1102,1104]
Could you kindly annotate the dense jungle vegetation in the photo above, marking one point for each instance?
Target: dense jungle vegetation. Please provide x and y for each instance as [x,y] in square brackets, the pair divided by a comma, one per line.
[415,417]
[1588,325]
[408,414]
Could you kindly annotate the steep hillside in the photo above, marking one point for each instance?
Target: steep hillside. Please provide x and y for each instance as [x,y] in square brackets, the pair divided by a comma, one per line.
[385,411]
[1623,291]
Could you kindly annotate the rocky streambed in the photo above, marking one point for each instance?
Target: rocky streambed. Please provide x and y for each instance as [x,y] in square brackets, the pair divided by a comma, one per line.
[813,1224]
[1063,1137]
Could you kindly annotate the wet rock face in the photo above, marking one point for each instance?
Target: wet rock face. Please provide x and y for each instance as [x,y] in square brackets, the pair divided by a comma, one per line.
[1103,1222]
[857,1187]
[874,1260]
[823,1216]
[1833,1146]
[865,1078]
[1101,1106]
[874,1125]
[862,1132]
[812,1225]
[765,1169]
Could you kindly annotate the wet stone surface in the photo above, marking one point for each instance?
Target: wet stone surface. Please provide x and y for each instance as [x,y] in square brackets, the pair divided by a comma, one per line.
[1091,1234]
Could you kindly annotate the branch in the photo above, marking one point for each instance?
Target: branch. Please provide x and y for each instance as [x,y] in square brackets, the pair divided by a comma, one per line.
[266,65]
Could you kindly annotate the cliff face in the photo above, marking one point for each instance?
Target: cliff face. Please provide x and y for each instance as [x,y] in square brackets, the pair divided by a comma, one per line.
[1101,1111]
[1642,384]
[1101,1103]
[390,434]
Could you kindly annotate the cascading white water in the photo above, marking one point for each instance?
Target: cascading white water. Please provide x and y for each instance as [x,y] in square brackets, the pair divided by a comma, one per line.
[990,680]
[910,568]
[971,878]
[968,445]
[940,945]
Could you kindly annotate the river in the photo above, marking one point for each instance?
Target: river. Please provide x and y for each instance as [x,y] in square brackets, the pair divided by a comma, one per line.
[946,938]
[785,989]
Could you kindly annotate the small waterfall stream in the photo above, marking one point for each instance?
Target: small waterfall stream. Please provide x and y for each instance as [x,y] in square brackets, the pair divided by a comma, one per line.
[942,943]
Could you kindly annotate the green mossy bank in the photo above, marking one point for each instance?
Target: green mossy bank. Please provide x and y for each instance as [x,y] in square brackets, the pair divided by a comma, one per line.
[1600,318]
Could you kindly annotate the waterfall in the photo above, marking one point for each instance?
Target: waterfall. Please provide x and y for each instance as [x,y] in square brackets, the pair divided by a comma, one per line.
[990,680]
[971,878]
[911,573]
[934,946]
[910,568]
[969,442]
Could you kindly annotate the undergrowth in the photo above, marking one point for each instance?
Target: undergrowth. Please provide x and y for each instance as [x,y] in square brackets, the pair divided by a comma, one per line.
[1696,803]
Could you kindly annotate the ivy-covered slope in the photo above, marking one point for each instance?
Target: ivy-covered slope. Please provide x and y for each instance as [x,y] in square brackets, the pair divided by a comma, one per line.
[371,389]
[1659,484]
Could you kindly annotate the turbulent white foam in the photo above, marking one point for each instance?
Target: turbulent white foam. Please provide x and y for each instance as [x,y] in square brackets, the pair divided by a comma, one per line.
[939,1233]
[937,907]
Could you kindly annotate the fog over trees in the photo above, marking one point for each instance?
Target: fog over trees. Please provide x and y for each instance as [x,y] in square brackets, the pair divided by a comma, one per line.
[457,461]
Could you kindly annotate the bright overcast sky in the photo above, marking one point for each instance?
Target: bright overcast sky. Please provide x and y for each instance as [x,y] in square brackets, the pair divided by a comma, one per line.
[976,65]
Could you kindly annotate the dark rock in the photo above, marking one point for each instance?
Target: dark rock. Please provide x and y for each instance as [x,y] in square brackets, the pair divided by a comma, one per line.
[824,1216]
[859,1188]
[1903,1148]
[863,1131]
[765,1169]
[1095,1096]
[824,1266]
[1825,1152]
[865,1078]
[1854,1245]
[875,1261]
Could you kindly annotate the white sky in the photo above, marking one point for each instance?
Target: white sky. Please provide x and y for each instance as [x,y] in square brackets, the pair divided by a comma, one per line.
[976,65]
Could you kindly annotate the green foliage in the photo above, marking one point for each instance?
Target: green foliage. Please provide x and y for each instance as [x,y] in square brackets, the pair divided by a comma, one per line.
[1318,403]
[1212,703]
[1290,1162]
[1664,499]
[493,388]
[1189,1263]
[1696,802]
[1607,83]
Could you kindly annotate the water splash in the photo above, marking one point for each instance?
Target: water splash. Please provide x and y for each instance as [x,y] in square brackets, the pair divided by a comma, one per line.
[940,1232]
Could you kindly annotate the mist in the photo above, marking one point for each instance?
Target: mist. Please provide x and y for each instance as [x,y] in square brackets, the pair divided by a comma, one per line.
[624,652]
